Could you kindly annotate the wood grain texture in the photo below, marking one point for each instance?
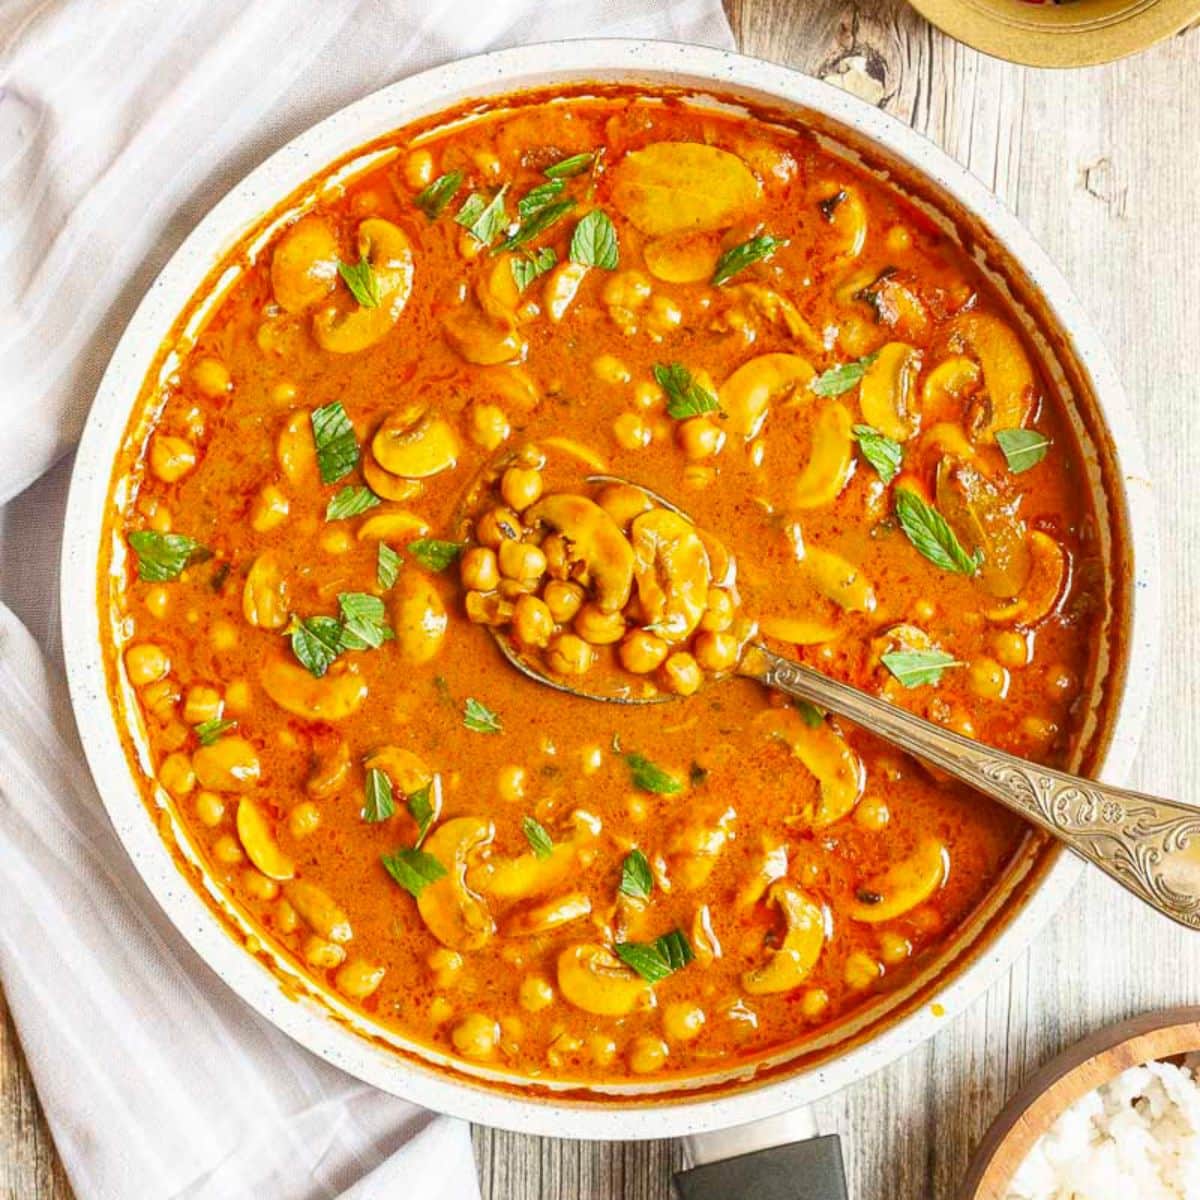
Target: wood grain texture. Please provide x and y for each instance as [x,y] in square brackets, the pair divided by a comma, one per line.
[1100,165]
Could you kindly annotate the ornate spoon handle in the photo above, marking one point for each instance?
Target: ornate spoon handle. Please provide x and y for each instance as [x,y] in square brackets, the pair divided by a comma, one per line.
[1150,846]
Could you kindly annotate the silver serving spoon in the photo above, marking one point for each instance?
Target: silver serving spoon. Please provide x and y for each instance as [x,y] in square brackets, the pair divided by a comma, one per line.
[1148,845]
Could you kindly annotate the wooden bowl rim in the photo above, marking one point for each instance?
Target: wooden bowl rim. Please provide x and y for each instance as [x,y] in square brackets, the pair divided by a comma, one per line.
[1055,1086]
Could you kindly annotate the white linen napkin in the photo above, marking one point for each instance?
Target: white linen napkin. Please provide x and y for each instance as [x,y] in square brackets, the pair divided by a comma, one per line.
[120,125]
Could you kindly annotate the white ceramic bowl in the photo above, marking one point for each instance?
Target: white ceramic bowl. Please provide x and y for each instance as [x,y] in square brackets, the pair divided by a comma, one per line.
[1076,362]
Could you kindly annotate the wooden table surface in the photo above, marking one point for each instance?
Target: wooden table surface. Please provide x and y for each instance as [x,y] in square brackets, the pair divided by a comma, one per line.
[1102,166]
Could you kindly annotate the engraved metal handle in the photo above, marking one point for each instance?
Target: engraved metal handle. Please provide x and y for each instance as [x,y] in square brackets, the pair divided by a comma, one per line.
[1150,846]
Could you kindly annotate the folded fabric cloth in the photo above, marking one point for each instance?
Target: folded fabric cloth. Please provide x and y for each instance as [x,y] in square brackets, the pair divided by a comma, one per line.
[120,125]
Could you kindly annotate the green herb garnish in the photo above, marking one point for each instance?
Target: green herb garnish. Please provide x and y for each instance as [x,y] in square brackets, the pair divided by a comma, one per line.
[350,502]
[360,278]
[1023,448]
[738,258]
[212,731]
[685,397]
[433,198]
[636,878]
[479,718]
[842,377]
[316,642]
[916,667]
[421,809]
[539,840]
[567,168]
[810,714]
[434,554]
[651,778]
[594,242]
[655,960]
[483,219]
[363,618]
[378,803]
[162,557]
[527,267]
[536,224]
[387,566]
[413,870]
[539,197]
[881,452]
[926,528]
[337,447]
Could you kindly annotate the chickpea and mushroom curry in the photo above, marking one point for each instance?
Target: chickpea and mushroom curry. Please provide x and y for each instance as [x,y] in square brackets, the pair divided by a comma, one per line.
[399,430]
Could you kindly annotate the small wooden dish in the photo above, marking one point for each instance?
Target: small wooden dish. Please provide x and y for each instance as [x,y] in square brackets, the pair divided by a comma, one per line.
[1087,1065]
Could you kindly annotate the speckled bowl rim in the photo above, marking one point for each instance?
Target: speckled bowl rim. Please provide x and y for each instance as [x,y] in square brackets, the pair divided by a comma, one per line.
[505,71]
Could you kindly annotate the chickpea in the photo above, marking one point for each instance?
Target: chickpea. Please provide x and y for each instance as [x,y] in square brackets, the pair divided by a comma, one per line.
[632,431]
[270,509]
[211,376]
[445,965]
[1040,730]
[627,289]
[304,820]
[497,525]
[535,993]
[336,541]
[664,317]
[489,425]
[1011,648]
[284,392]
[520,560]
[813,1003]
[440,1010]
[894,948]
[563,600]
[237,696]
[610,369]
[681,674]
[520,487]
[532,623]
[418,169]
[898,239]
[600,628]
[719,615]
[570,655]
[174,735]
[286,918]
[176,774]
[228,765]
[872,813]
[227,850]
[699,437]
[146,663]
[202,704]
[475,1036]
[323,955]
[647,394]
[479,570]
[647,1054]
[161,698]
[510,783]
[160,519]
[223,635]
[642,652]
[591,759]
[1060,682]
[715,651]
[602,1048]
[258,885]
[682,1021]
[158,600]
[861,970]
[987,678]
[487,608]
[171,458]
[210,808]
[358,978]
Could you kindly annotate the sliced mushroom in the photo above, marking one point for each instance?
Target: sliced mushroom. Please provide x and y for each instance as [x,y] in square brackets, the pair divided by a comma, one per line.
[230,764]
[984,521]
[945,438]
[798,631]
[682,258]
[843,209]
[888,391]
[948,386]
[330,698]
[676,187]
[406,770]
[839,580]
[896,305]
[1048,579]
[304,266]
[789,964]
[347,330]
[672,572]
[903,885]
[528,875]
[597,543]
[392,525]
[549,915]
[419,618]
[388,486]
[319,910]
[562,286]
[330,764]
[827,755]
[295,450]
[265,596]
[415,442]
[1009,386]
[770,864]
[748,392]
[483,338]
[593,979]
[831,462]
[452,912]
[258,840]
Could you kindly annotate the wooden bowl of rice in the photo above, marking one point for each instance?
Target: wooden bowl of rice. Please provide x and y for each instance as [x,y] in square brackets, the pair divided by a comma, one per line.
[1114,1117]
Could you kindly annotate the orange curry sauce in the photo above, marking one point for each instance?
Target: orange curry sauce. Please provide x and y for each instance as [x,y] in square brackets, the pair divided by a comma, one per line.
[797,864]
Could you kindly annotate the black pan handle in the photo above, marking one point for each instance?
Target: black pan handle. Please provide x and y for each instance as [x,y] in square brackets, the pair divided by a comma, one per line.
[808,1170]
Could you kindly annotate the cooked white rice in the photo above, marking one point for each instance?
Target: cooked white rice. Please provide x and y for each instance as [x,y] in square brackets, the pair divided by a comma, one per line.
[1135,1138]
